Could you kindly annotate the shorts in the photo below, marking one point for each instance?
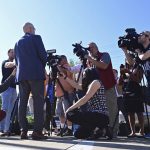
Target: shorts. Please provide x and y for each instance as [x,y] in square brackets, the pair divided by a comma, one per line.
[63,104]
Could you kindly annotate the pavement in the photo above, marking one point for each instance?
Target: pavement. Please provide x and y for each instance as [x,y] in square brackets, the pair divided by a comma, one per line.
[70,143]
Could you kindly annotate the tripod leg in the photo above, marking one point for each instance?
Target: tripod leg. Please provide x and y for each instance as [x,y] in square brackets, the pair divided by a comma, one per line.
[51,127]
[13,115]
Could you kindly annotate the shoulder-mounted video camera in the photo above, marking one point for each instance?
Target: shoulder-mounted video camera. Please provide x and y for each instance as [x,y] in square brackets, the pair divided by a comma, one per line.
[130,40]
[79,50]
[52,60]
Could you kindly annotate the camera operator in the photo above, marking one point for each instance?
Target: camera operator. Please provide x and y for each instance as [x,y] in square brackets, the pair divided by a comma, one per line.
[64,96]
[144,39]
[77,70]
[132,94]
[143,54]
[102,62]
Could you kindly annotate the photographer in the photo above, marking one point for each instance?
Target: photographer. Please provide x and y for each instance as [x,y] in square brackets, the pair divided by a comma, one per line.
[132,94]
[144,39]
[143,53]
[120,98]
[96,117]
[65,95]
[102,62]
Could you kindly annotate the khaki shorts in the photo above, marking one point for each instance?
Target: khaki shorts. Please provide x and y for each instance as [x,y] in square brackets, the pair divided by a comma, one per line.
[63,104]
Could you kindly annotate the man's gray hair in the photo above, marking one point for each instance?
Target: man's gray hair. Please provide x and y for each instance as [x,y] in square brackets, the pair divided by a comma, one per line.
[26,26]
[93,44]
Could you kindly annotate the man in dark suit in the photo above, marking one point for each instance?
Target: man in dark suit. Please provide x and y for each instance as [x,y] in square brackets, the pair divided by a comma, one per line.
[30,56]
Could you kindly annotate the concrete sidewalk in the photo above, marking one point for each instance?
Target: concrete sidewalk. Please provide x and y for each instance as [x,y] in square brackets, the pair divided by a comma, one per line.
[70,143]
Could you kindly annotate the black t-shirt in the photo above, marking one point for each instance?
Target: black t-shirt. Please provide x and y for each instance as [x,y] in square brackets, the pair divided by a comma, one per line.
[6,72]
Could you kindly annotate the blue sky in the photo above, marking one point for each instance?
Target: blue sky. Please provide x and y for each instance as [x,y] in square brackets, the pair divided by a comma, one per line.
[64,22]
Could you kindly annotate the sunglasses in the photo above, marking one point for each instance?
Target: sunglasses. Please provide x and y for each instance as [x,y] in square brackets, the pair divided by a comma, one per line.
[141,34]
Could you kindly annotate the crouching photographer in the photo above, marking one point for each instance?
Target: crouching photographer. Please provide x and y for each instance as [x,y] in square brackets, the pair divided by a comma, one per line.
[96,117]
[102,62]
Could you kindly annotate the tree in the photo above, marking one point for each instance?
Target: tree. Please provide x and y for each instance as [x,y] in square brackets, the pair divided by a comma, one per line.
[71,62]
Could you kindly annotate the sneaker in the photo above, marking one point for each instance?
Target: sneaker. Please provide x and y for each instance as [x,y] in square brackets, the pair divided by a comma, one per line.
[59,133]
[56,131]
[96,135]
[68,133]
[23,135]
[5,134]
[38,136]
[62,131]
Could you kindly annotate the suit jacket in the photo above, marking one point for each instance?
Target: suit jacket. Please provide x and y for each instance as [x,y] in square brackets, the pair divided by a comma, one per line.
[30,57]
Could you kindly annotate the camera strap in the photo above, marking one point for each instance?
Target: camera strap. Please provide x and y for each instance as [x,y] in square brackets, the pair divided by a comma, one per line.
[79,74]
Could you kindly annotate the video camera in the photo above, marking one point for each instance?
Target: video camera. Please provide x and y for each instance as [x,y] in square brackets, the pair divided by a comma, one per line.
[130,40]
[80,51]
[53,61]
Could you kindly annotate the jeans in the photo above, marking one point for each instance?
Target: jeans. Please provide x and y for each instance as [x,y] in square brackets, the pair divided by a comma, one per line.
[8,99]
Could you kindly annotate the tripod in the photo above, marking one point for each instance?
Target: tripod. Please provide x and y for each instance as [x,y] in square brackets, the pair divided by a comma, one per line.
[14,124]
[49,101]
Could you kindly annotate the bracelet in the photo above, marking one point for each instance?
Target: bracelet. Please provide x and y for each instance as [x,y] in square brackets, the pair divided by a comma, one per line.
[65,77]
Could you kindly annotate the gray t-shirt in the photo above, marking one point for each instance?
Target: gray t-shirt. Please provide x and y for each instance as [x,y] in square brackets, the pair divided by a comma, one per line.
[105,58]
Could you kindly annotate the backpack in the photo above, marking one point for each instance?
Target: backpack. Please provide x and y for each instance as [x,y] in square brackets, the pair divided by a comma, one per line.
[123,129]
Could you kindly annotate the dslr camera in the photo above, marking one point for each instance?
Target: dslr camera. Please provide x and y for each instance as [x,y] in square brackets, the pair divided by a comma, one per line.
[80,51]
[130,40]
